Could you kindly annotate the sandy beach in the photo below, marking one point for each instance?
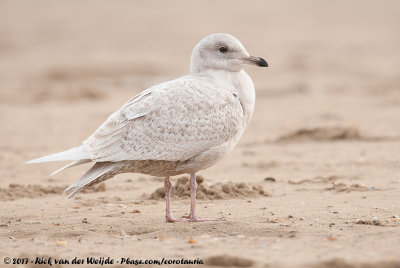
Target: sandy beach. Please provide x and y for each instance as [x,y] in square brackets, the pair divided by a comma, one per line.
[314,182]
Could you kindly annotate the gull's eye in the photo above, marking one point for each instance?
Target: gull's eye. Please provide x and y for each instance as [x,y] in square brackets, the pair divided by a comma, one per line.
[223,49]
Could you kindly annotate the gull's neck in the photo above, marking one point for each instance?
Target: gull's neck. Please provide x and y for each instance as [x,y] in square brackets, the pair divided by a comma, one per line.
[239,83]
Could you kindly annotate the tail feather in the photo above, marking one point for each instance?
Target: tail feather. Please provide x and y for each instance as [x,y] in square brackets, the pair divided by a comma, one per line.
[72,164]
[77,153]
[98,170]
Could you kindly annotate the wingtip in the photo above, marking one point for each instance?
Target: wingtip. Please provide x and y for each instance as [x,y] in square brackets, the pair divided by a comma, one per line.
[69,191]
[55,172]
[36,160]
[70,195]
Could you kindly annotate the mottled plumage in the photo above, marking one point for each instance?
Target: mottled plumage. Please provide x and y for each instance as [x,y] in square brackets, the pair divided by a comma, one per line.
[173,121]
[181,126]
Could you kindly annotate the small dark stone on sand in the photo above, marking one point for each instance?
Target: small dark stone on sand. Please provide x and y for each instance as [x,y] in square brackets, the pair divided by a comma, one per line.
[270,179]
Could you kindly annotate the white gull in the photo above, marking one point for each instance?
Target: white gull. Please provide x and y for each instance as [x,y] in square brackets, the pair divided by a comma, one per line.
[177,127]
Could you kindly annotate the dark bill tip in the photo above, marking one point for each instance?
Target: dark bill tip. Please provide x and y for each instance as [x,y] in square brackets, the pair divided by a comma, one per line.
[261,62]
[257,61]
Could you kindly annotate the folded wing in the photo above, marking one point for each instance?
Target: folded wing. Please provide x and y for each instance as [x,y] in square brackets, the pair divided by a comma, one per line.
[173,121]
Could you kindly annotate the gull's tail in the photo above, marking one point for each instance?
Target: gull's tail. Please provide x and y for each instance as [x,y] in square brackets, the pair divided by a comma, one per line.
[72,164]
[100,172]
[77,153]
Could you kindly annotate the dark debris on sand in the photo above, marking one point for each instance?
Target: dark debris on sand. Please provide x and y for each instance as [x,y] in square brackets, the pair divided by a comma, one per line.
[225,190]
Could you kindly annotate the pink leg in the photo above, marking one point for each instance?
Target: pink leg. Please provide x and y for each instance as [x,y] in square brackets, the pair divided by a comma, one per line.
[193,188]
[168,188]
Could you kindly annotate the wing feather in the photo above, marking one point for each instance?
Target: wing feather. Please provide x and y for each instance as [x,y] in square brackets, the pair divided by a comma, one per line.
[172,121]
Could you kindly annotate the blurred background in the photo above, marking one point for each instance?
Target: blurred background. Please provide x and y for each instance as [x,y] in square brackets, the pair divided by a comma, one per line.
[311,45]
[325,130]
[66,65]
[330,63]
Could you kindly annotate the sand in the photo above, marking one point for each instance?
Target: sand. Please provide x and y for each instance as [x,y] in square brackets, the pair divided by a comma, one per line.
[314,182]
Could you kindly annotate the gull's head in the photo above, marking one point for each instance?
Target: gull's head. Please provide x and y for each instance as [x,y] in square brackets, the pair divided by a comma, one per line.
[221,52]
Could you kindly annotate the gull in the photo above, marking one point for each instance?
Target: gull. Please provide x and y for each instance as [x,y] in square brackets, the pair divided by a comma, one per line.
[177,127]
